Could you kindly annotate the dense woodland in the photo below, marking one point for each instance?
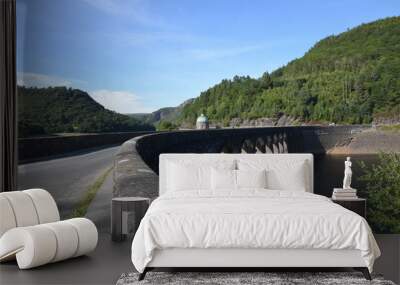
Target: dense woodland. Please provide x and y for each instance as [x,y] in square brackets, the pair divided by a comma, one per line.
[350,78]
[65,110]
[382,188]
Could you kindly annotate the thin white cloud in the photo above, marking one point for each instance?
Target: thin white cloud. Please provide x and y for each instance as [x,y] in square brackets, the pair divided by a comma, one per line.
[30,79]
[142,39]
[215,53]
[124,102]
[107,6]
[136,10]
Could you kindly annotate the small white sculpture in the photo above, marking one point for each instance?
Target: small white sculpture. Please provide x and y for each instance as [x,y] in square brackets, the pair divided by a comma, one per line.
[347,174]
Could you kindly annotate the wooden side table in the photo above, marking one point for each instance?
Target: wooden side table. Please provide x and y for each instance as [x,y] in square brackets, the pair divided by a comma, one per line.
[120,209]
[357,205]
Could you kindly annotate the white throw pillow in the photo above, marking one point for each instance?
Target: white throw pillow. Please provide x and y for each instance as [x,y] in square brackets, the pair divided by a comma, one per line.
[288,177]
[223,179]
[230,180]
[251,178]
[182,177]
[185,175]
[281,174]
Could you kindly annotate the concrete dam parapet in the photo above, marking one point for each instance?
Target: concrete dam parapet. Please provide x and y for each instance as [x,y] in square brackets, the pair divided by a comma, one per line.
[136,164]
[43,148]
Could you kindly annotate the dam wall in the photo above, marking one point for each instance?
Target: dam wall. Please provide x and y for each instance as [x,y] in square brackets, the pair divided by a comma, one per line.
[136,163]
[42,148]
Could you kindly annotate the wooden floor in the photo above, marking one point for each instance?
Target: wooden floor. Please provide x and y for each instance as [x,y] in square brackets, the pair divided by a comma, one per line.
[103,266]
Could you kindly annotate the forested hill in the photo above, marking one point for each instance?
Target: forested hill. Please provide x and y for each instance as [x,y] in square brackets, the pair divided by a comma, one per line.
[352,77]
[65,110]
[170,114]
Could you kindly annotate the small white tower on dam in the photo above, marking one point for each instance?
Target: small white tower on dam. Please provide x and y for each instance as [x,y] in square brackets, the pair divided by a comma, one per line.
[202,122]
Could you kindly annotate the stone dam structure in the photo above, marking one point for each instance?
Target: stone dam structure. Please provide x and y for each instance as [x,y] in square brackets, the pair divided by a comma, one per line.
[43,148]
[136,163]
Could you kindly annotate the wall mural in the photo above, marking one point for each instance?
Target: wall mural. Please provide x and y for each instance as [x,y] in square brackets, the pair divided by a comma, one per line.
[94,74]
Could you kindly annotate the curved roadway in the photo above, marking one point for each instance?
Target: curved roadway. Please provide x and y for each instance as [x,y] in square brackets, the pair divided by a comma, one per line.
[68,178]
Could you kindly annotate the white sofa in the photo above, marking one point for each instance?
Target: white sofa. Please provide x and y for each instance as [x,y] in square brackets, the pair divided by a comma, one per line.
[31,231]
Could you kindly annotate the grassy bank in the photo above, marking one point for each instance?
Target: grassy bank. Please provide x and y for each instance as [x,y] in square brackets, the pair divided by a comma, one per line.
[391,128]
[91,192]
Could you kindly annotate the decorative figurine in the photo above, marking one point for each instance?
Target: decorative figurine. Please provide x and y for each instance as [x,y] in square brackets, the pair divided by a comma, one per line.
[347,174]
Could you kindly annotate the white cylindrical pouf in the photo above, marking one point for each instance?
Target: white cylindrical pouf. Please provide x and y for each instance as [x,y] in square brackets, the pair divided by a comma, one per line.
[40,247]
[7,218]
[33,246]
[45,205]
[87,234]
[67,240]
[23,208]
[37,245]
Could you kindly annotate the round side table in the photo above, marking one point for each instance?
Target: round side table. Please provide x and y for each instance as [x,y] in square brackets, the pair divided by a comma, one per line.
[121,208]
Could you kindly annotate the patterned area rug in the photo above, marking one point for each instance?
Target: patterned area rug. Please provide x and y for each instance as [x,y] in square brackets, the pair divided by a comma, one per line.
[269,278]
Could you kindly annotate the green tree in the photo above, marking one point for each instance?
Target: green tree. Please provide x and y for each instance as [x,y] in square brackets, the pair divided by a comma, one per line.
[166,126]
[382,189]
[349,78]
[63,110]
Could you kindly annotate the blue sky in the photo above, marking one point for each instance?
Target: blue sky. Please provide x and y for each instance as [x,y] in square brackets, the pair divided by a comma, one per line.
[139,55]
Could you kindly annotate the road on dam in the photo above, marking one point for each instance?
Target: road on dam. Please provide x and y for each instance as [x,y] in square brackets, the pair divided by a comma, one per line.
[67,178]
